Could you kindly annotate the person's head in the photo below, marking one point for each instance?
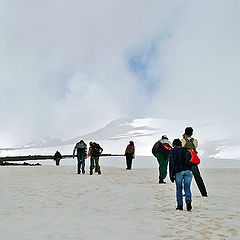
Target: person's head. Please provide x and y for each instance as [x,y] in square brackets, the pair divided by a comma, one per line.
[164,137]
[131,143]
[188,131]
[90,143]
[177,143]
[81,141]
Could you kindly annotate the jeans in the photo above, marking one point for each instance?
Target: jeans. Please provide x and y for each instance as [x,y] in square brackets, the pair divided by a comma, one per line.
[184,177]
[81,161]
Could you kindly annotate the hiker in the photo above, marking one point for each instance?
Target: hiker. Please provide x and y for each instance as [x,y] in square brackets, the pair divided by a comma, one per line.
[57,157]
[161,150]
[130,154]
[192,143]
[181,173]
[94,151]
[81,148]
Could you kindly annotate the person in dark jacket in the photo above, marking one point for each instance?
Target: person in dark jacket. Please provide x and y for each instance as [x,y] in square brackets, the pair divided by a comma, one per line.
[181,173]
[81,148]
[189,142]
[161,150]
[130,154]
[57,157]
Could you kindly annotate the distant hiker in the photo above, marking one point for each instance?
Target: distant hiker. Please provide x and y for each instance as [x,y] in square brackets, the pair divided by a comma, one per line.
[181,173]
[57,157]
[81,148]
[130,154]
[192,143]
[94,151]
[161,150]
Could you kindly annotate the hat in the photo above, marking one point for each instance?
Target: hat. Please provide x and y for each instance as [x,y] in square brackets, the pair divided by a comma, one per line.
[164,137]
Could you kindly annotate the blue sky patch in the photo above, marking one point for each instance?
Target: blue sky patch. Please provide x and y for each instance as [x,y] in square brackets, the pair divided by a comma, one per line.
[140,61]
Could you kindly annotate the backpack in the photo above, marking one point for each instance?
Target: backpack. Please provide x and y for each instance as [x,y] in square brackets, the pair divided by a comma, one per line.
[96,149]
[130,149]
[189,144]
[191,157]
[154,149]
[163,149]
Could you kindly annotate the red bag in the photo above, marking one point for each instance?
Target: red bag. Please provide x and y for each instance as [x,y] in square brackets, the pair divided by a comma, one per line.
[194,157]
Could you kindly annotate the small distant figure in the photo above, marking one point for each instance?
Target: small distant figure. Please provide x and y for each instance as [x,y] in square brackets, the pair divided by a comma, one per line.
[181,173]
[161,150]
[57,157]
[81,148]
[189,142]
[94,152]
[130,154]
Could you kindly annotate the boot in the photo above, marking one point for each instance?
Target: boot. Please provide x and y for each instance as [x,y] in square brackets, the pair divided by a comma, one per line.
[189,205]
[179,208]
[161,181]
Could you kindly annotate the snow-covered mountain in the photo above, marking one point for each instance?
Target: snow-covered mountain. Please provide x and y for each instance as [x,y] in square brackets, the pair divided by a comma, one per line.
[216,140]
[46,142]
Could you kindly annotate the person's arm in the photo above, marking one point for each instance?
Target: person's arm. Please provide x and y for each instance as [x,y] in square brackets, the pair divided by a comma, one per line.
[183,142]
[89,152]
[133,155]
[195,142]
[171,167]
[85,152]
[74,150]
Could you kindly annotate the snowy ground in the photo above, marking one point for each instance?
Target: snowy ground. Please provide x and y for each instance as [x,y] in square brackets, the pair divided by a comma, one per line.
[50,202]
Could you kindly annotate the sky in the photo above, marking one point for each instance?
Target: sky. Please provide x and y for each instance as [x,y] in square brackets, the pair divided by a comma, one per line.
[69,67]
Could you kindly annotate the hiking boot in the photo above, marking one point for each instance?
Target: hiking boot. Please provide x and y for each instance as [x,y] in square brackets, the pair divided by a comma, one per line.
[179,208]
[91,172]
[99,173]
[161,181]
[83,171]
[189,205]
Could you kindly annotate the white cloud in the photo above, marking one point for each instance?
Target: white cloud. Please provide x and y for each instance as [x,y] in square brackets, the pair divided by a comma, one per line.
[201,62]
[59,55]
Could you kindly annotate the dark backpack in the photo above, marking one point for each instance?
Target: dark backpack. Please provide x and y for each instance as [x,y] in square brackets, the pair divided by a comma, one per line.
[96,149]
[163,149]
[154,149]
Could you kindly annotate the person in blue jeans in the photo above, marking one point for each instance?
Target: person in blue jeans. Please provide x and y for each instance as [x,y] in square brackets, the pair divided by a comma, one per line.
[81,148]
[181,173]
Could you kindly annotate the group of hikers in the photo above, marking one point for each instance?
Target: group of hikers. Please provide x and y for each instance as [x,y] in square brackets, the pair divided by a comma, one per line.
[181,155]
[183,165]
[94,152]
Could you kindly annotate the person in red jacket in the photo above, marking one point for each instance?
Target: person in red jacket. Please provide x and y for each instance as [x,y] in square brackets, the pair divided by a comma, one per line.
[57,157]
[130,154]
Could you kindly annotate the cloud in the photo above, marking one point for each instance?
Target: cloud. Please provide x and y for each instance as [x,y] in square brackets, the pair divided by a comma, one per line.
[69,67]
[200,63]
